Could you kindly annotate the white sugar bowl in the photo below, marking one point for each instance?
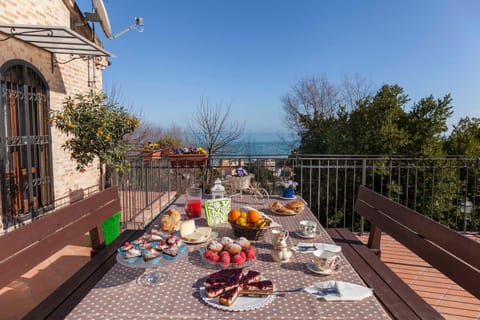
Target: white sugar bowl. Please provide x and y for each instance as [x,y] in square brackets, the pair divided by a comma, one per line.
[281,253]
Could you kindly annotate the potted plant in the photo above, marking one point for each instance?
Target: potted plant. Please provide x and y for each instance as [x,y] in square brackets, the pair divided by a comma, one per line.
[241,179]
[151,151]
[188,157]
[288,188]
[95,127]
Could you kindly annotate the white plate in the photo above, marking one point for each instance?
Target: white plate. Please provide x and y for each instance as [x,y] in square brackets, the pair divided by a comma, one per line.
[213,235]
[302,235]
[284,198]
[312,268]
[243,303]
[284,213]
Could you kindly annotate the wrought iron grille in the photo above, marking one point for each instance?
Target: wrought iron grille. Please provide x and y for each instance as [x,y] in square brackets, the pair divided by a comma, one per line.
[26,182]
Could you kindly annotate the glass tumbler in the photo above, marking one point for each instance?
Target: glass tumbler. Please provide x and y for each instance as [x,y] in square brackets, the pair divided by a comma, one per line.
[193,206]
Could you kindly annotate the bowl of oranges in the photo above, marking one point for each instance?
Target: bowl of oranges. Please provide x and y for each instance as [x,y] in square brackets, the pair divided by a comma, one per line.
[248,222]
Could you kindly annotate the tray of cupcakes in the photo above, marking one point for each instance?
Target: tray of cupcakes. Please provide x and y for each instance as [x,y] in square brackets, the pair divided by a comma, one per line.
[228,253]
[150,249]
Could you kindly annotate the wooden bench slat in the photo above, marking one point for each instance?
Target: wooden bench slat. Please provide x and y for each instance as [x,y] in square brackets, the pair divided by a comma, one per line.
[446,250]
[464,274]
[389,299]
[463,247]
[19,263]
[37,230]
[421,308]
[62,301]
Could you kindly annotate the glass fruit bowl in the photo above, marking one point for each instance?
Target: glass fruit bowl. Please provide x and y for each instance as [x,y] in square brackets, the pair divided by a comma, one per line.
[232,261]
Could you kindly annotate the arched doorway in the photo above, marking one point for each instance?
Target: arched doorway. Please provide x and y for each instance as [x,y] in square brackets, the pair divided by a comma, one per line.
[26,181]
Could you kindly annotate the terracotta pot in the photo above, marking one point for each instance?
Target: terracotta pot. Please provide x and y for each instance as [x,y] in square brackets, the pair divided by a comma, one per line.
[188,160]
[151,155]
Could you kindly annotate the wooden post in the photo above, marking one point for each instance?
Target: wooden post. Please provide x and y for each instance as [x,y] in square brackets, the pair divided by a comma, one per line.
[374,240]
[96,237]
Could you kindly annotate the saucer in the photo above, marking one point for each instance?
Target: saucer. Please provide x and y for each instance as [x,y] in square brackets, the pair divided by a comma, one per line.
[285,198]
[213,235]
[302,235]
[311,267]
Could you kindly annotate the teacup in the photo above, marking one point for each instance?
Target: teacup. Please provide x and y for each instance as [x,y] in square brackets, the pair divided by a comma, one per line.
[278,235]
[308,228]
[325,260]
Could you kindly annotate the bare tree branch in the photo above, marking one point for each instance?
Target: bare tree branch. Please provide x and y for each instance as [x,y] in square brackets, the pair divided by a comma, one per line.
[212,128]
[355,88]
[316,98]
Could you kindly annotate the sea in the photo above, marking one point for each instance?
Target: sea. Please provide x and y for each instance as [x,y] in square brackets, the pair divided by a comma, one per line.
[263,144]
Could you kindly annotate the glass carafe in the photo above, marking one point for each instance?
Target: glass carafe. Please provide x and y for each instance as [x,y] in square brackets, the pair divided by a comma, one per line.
[193,205]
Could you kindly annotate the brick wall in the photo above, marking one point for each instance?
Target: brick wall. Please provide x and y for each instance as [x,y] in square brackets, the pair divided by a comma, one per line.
[66,79]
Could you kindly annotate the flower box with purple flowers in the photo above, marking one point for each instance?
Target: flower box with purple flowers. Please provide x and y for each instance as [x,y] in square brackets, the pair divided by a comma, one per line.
[188,157]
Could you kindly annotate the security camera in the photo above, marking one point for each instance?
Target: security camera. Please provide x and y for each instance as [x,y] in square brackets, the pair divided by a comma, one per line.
[137,26]
[139,22]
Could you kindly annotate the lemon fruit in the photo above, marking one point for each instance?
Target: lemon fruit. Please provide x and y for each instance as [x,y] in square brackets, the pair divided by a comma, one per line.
[241,221]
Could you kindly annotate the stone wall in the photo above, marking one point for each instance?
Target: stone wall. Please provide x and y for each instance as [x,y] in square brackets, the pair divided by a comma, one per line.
[65,79]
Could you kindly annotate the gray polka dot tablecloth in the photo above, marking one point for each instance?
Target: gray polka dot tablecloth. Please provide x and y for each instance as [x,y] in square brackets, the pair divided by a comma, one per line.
[118,296]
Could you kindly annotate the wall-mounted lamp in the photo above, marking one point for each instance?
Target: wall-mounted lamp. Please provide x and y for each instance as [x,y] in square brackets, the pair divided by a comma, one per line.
[466,208]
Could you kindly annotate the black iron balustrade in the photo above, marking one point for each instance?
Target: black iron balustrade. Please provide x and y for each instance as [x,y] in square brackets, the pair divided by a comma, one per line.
[437,187]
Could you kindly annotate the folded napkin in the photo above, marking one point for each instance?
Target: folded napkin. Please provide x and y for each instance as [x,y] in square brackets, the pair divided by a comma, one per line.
[310,247]
[339,291]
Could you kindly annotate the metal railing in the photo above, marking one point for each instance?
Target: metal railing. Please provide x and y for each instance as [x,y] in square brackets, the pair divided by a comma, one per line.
[444,189]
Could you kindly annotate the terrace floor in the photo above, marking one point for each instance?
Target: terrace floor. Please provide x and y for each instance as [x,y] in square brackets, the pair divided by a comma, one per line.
[450,300]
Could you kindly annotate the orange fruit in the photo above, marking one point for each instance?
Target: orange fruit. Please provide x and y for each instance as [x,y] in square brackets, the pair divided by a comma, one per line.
[253,217]
[234,215]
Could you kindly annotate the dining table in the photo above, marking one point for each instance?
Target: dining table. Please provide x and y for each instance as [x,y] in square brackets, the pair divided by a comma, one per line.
[118,295]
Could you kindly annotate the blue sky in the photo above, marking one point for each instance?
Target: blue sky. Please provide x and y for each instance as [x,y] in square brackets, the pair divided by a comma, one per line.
[248,53]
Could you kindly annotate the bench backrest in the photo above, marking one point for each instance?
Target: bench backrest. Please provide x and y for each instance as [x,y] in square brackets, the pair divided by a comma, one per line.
[25,247]
[453,254]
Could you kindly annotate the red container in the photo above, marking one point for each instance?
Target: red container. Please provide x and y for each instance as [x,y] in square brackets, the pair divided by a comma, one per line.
[194,208]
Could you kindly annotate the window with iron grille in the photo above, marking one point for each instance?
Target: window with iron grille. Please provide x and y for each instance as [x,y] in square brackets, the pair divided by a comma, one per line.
[26,181]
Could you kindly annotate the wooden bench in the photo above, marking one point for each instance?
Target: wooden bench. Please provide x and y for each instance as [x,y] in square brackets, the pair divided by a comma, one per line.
[64,299]
[25,247]
[446,250]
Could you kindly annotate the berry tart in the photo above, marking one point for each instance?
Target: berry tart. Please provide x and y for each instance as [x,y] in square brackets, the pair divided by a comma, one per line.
[132,255]
[226,286]
[173,246]
[152,256]
[123,249]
